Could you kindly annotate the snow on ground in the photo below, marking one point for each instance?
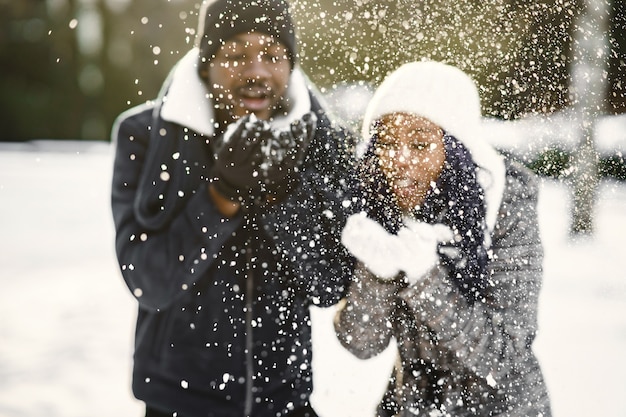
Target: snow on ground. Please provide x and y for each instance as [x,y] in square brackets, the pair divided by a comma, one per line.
[66,318]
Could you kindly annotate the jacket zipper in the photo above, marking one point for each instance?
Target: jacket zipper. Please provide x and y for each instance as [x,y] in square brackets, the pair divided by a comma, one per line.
[249,353]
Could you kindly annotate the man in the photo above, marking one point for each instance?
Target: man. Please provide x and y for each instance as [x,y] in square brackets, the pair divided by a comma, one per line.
[229,192]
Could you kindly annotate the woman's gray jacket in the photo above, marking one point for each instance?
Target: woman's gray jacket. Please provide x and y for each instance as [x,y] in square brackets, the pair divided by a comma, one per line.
[458,358]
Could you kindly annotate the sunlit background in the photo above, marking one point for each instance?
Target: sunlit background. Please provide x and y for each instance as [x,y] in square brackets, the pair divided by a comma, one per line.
[68,67]
[552,76]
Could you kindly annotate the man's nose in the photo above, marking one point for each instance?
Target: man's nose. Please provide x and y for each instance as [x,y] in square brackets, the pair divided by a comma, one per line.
[256,68]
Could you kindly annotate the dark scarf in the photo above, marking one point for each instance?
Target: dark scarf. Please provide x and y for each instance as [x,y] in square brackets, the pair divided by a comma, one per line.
[457,200]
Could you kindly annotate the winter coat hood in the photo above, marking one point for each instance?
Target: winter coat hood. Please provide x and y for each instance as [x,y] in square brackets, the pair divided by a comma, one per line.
[187,100]
[448,97]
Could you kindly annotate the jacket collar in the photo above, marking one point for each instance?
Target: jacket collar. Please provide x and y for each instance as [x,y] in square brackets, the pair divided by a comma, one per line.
[186,99]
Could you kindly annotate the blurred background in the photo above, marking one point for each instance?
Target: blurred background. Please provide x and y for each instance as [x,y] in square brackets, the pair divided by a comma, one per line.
[68,67]
[552,75]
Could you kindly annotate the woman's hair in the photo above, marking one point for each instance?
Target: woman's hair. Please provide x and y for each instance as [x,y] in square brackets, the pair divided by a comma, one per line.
[456,200]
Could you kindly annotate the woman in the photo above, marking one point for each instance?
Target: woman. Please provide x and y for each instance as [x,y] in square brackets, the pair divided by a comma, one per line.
[449,255]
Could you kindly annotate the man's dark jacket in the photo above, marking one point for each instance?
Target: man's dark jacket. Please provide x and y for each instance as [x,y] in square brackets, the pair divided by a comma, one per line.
[223,321]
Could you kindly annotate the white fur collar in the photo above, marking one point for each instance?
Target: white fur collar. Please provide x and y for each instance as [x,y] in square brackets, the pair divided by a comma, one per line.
[187,100]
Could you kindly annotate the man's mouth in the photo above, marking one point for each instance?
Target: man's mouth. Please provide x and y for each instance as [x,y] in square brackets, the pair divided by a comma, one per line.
[254,98]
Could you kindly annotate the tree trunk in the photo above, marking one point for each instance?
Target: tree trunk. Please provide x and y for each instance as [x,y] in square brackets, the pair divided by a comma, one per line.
[589,77]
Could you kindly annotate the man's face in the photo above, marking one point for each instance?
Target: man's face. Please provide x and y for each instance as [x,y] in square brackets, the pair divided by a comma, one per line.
[411,152]
[249,74]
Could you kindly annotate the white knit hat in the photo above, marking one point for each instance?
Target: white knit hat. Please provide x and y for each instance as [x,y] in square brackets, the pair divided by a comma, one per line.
[449,98]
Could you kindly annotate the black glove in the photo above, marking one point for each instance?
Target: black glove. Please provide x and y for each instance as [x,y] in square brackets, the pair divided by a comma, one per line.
[237,158]
[284,152]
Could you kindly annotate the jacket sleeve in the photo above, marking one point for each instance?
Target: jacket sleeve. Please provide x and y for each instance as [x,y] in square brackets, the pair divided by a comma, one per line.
[161,263]
[306,226]
[363,319]
[492,337]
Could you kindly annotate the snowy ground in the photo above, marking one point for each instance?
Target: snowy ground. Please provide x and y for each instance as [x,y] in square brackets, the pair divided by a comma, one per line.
[66,318]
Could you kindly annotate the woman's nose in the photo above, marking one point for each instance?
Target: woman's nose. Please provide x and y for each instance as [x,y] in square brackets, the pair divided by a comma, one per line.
[404,156]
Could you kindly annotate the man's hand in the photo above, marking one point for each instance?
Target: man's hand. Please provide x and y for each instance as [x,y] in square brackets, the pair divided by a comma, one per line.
[283,153]
[238,156]
[252,159]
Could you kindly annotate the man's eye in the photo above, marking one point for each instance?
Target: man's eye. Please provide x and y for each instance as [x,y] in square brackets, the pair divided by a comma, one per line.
[231,60]
[273,57]
[235,57]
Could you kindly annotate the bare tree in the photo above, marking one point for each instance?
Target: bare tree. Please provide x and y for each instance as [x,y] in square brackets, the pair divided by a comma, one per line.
[589,79]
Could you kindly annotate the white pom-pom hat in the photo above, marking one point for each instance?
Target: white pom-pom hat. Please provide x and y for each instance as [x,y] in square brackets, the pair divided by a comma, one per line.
[449,98]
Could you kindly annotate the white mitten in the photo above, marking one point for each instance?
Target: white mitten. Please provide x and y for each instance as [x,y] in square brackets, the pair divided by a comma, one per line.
[371,244]
[420,240]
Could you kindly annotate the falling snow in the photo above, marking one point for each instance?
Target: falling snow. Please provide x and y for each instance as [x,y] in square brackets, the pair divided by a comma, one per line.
[67,317]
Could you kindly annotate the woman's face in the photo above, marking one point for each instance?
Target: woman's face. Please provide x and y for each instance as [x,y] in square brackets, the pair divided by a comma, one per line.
[411,154]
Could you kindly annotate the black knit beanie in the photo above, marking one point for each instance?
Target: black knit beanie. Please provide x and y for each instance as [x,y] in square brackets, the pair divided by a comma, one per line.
[220,20]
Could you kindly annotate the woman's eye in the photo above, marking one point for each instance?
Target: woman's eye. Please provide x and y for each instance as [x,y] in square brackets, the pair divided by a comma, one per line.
[426,133]
[387,146]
